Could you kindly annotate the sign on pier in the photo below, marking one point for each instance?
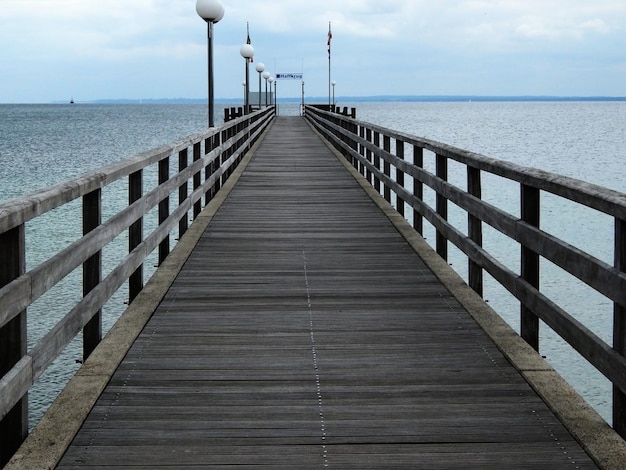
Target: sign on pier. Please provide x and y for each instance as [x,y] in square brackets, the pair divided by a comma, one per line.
[289,76]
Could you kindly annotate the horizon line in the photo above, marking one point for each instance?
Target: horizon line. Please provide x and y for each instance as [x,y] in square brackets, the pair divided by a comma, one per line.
[348,99]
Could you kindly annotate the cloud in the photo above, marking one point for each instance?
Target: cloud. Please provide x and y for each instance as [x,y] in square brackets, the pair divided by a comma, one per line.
[540,28]
[83,29]
[365,18]
[412,46]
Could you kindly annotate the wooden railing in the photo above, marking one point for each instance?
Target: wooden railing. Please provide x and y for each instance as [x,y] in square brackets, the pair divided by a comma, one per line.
[375,150]
[215,154]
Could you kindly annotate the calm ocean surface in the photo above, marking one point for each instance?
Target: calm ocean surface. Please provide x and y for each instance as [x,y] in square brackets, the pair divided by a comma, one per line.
[41,145]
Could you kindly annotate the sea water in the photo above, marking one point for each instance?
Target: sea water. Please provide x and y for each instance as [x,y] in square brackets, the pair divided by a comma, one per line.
[41,145]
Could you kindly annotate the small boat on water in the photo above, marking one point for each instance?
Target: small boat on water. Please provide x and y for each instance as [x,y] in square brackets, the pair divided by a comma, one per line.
[72,101]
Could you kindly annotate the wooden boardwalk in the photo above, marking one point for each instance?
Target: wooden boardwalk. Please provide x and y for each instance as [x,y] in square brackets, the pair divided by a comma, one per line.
[304,332]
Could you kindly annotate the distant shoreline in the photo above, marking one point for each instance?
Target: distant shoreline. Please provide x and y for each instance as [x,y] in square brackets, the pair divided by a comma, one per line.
[364,99]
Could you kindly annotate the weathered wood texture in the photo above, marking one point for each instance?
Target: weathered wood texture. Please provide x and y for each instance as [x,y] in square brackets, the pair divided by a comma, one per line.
[608,280]
[19,368]
[304,332]
[13,343]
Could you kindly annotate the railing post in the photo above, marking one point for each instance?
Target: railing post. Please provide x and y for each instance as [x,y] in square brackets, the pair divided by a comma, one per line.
[619,329]
[135,233]
[418,189]
[345,139]
[217,161]
[442,206]
[246,124]
[529,322]
[226,154]
[92,270]
[335,120]
[400,177]
[354,129]
[164,208]
[387,167]
[362,150]
[197,179]
[344,125]
[183,192]
[229,152]
[208,170]
[377,161]
[475,230]
[249,144]
[368,156]
[13,342]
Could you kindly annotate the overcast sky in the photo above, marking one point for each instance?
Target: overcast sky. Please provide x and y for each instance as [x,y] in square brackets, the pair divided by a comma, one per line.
[53,50]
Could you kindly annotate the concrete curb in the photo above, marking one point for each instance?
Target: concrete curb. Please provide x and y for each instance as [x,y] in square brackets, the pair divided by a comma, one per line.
[45,446]
[598,439]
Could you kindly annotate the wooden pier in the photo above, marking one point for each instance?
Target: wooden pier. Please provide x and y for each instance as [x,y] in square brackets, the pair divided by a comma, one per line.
[305,332]
[300,321]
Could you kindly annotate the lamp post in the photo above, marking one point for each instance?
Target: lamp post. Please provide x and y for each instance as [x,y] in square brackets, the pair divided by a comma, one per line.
[259,68]
[210,11]
[247,52]
[333,83]
[302,107]
[271,80]
[266,76]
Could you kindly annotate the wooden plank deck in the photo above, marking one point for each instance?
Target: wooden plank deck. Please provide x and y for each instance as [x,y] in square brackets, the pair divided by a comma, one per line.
[304,332]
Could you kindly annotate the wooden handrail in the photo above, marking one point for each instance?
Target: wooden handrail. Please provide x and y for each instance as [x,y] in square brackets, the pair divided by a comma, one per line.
[215,153]
[347,133]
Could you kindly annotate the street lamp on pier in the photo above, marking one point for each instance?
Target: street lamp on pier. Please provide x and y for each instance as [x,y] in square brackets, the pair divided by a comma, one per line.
[266,76]
[271,80]
[260,67]
[210,11]
[333,83]
[247,52]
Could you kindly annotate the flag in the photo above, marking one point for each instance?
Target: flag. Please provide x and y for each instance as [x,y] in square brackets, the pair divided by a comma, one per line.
[330,36]
[248,39]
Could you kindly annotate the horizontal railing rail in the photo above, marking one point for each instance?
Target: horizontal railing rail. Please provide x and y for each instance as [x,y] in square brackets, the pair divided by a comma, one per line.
[215,154]
[375,151]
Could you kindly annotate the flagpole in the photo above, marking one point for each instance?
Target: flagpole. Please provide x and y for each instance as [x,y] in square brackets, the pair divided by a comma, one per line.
[330,36]
[248,60]
[247,52]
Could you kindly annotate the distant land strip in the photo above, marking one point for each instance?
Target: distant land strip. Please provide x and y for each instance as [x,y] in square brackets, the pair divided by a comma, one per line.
[362,99]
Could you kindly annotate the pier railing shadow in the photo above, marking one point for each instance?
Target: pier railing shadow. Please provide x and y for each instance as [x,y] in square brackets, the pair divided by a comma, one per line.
[378,154]
[214,155]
